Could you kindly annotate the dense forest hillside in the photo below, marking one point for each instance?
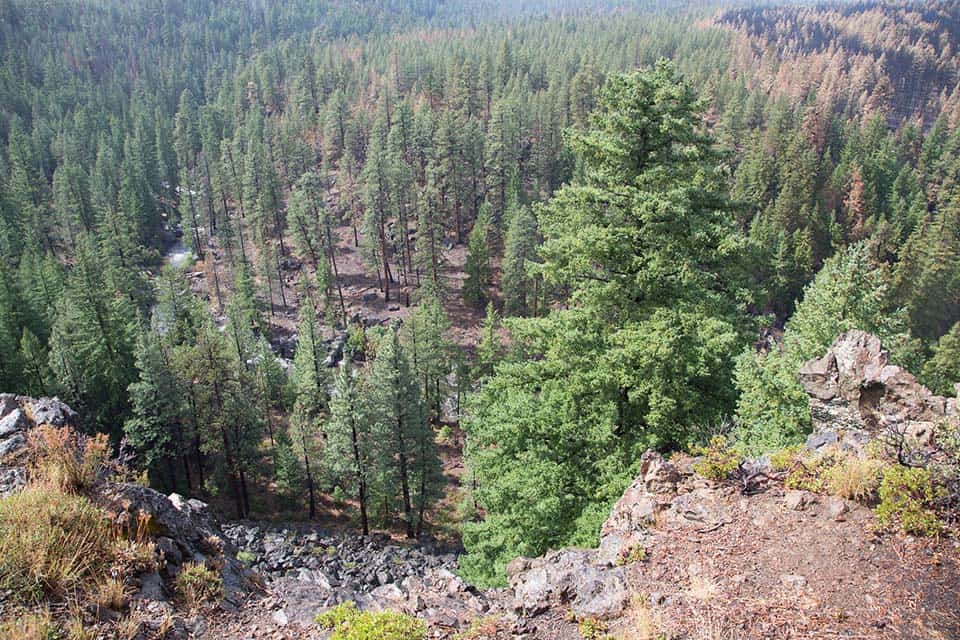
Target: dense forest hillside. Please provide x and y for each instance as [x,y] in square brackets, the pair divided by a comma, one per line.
[448,268]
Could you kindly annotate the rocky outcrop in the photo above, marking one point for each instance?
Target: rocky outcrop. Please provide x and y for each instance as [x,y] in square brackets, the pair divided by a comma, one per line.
[18,415]
[856,394]
[182,530]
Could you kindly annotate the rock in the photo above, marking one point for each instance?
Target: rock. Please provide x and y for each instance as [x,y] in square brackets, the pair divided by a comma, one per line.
[11,479]
[279,618]
[570,577]
[793,581]
[51,411]
[837,508]
[13,422]
[650,493]
[856,394]
[798,500]
[171,554]
[659,476]
[151,587]
[701,505]
[12,445]
[601,594]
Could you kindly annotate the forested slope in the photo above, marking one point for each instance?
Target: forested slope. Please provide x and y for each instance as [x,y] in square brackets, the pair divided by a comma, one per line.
[655,254]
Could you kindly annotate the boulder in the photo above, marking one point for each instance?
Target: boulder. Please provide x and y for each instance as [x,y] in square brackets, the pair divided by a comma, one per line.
[651,492]
[570,578]
[13,422]
[856,394]
[51,411]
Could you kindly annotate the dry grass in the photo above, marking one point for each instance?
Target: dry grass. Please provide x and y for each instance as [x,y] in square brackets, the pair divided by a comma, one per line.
[28,625]
[710,625]
[702,589]
[59,551]
[640,622]
[51,543]
[66,459]
[128,627]
[111,593]
[855,478]
[198,584]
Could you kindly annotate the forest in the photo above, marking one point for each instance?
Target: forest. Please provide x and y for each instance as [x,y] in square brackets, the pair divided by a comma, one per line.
[448,268]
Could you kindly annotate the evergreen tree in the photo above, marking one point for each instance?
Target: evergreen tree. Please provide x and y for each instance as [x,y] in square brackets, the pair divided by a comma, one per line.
[644,350]
[92,343]
[942,371]
[402,428]
[519,251]
[155,426]
[350,451]
[475,287]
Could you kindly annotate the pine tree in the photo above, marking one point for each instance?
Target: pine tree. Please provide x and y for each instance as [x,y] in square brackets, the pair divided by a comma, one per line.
[429,350]
[155,426]
[519,251]
[92,342]
[310,389]
[478,261]
[350,451]
[402,427]
[378,180]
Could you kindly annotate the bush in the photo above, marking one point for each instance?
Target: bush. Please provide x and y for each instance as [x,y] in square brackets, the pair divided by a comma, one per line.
[349,623]
[718,461]
[51,543]
[592,629]
[784,459]
[908,496]
[197,584]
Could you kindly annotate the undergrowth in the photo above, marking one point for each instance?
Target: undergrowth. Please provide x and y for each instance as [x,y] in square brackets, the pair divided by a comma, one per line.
[349,623]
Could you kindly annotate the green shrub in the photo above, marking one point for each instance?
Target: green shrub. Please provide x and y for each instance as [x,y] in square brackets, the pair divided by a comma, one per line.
[51,543]
[634,553]
[197,584]
[349,623]
[908,496]
[718,461]
[592,629]
[783,459]
[246,557]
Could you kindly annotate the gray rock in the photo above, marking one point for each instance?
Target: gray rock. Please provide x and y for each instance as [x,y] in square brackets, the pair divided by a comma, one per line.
[855,394]
[13,422]
[11,479]
[701,505]
[837,508]
[793,581]
[601,594]
[12,445]
[279,618]
[799,500]
[151,587]
[824,438]
[51,411]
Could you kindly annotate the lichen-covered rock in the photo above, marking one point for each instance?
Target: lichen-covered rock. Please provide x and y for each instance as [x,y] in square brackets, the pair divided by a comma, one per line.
[568,578]
[856,394]
[650,493]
